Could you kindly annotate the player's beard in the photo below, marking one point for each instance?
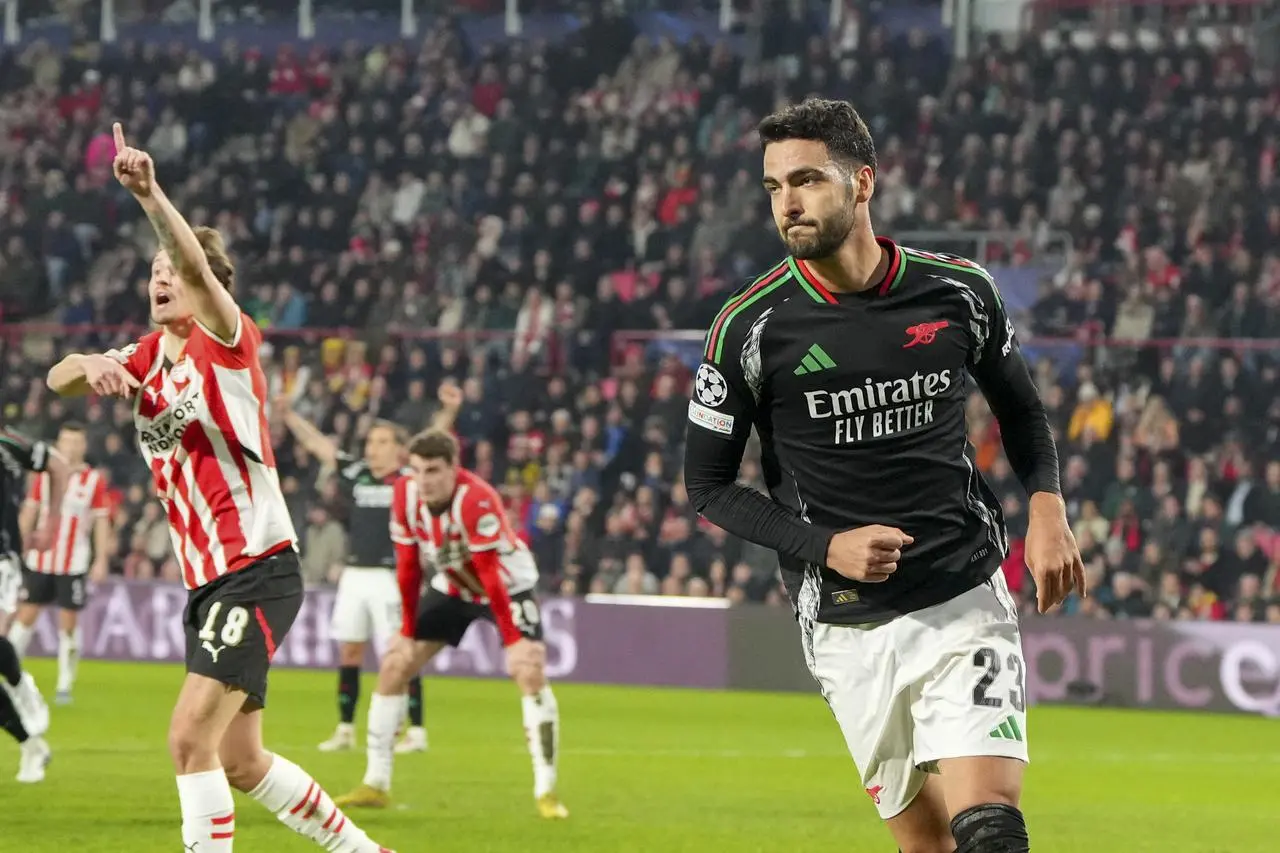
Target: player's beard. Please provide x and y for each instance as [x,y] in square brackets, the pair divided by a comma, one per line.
[823,238]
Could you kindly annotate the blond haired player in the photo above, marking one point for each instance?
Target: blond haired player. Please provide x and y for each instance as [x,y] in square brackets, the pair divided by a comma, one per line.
[453,521]
[82,544]
[199,395]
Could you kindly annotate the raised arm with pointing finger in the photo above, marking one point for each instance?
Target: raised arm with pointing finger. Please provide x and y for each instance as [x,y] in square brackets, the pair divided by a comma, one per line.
[199,295]
[201,423]
[211,304]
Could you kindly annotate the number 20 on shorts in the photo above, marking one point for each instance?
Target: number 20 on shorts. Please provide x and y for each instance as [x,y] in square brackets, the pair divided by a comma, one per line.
[524,612]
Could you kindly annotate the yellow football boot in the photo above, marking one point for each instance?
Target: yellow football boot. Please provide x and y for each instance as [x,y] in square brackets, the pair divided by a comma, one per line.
[364,797]
[550,807]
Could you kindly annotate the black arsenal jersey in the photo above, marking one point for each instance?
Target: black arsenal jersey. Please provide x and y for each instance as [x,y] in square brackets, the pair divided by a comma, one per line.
[18,455]
[368,499]
[859,403]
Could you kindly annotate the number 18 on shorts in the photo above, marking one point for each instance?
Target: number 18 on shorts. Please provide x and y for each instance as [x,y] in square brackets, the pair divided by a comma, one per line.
[945,682]
[234,625]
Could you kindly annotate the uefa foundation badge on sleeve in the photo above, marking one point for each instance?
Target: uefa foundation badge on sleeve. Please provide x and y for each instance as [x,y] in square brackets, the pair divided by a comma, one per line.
[710,419]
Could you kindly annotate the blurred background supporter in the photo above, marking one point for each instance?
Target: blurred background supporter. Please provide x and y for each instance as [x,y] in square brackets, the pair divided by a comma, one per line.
[551,219]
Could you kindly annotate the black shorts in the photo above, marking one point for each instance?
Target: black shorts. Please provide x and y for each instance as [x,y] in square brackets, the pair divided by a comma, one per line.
[69,592]
[235,624]
[442,618]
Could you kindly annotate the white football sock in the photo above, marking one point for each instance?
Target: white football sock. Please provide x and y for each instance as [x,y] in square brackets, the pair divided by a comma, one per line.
[302,805]
[208,812]
[542,729]
[68,659]
[20,635]
[385,715]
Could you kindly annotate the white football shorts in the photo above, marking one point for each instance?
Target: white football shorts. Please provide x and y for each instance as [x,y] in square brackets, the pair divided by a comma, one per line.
[367,606]
[944,682]
[10,583]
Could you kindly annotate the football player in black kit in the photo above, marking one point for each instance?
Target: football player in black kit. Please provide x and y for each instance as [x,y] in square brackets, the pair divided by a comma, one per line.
[368,599]
[852,358]
[23,712]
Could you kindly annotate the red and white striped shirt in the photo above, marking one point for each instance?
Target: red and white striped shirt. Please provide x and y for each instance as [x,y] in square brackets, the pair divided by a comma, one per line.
[202,429]
[475,522]
[84,502]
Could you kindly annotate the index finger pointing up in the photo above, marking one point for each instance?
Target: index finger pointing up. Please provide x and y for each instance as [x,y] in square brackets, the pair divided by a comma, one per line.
[118,132]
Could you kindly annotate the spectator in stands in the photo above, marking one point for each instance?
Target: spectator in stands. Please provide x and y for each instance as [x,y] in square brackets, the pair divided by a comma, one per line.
[550,205]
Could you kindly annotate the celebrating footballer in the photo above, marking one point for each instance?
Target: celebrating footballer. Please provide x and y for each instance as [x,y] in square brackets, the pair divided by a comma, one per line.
[199,393]
[852,359]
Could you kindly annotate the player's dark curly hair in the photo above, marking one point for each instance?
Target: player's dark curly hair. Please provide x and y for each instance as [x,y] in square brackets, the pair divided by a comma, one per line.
[836,124]
[434,444]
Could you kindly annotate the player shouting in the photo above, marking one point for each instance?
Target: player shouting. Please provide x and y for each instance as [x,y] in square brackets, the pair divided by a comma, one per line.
[56,575]
[367,604]
[23,712]
[452,520]
[851,358]
[198,393]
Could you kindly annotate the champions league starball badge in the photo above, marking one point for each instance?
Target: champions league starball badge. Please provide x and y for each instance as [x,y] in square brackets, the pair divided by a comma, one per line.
[710,386]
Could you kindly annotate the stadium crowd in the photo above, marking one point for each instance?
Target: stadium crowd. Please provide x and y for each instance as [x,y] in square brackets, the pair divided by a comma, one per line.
[409,214]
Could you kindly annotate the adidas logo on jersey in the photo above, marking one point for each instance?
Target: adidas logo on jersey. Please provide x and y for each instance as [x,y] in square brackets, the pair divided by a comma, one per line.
[815,360]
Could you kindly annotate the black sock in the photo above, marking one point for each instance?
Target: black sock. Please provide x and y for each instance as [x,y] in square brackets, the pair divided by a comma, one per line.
[10,667]
[348,692]
[990,828]
[415,701]
[9,720]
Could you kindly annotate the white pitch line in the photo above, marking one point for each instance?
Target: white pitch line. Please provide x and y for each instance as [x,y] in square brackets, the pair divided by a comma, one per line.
[1081,757]
[1036,757]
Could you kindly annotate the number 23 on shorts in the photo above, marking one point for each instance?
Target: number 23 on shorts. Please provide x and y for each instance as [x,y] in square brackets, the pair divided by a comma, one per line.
[988,660]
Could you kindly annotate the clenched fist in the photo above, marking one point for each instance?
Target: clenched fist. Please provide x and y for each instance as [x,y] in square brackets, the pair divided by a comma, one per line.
[133,167]
[450,396]
[867,554]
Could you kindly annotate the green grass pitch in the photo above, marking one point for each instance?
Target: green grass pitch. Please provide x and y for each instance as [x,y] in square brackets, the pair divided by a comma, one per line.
[658,771]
